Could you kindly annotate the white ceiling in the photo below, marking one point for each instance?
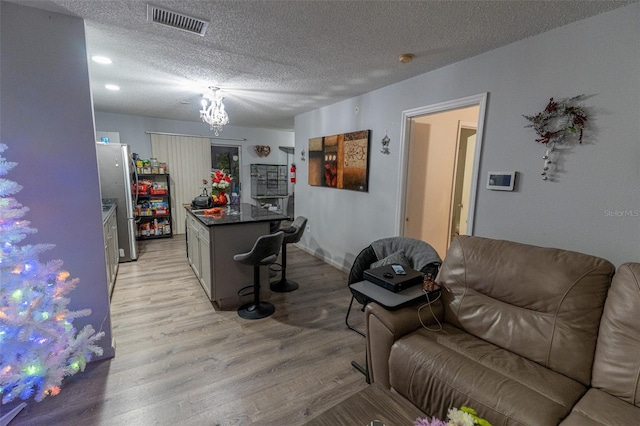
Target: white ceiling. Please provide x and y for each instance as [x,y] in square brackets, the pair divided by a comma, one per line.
[277,59]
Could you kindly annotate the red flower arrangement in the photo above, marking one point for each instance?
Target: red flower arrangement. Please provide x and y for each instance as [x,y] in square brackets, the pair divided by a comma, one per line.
[220,181]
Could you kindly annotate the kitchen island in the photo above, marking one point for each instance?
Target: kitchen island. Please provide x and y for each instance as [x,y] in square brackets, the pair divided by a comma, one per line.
[213,240]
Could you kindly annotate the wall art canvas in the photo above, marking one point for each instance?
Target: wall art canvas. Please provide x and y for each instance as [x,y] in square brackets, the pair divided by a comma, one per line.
[340,161]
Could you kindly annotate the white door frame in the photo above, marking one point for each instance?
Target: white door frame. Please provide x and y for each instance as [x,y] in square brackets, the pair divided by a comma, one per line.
[405,139]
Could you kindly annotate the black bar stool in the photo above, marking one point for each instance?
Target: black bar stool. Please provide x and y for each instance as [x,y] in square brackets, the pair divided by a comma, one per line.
[274,226]
[292,234]
[264,252]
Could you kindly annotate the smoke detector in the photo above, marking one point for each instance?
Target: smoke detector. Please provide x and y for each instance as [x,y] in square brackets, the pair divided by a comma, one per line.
[176,20]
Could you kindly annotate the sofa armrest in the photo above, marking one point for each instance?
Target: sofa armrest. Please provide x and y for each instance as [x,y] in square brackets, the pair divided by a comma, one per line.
[384,327]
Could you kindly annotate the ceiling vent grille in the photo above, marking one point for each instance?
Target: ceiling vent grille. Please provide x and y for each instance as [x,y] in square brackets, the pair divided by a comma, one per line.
[176,20]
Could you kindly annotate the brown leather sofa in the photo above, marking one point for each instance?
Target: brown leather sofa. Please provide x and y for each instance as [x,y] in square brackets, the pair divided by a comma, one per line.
[614,395]
[521,338]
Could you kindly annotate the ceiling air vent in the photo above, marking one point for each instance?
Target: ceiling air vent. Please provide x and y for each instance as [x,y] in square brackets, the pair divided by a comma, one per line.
[176,20]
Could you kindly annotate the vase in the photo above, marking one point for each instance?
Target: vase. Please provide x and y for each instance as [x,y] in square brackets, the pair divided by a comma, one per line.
[220,199]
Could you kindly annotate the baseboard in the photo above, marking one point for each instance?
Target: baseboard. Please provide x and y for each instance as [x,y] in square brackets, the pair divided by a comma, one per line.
[7,417]
[323,258]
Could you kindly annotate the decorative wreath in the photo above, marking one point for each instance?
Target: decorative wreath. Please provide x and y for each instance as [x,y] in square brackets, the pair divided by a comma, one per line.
[558,120]
[262,150]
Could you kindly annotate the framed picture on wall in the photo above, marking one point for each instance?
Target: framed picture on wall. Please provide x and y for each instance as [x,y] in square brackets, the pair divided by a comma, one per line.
[340,161]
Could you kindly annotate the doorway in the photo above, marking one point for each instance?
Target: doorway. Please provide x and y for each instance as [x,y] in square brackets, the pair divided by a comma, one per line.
[227,158]
[440,151]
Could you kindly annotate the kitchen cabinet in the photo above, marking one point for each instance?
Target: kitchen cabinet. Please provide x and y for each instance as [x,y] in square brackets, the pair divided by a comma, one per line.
[153,208]
[193,246]
[111,253]
[205,262]
[199,252]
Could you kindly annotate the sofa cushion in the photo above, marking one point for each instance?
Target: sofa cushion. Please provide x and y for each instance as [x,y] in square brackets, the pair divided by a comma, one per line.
[541,303]
[616,367]
[397,258]
[451,368]
[598,408]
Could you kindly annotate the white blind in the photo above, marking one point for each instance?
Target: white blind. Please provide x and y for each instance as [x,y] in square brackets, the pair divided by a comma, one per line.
[188,161]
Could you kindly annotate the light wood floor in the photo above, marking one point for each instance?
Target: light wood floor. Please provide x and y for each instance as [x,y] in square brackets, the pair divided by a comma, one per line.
[180,362]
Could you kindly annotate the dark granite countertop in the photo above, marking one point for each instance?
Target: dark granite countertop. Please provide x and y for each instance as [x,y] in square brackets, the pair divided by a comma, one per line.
[241,213]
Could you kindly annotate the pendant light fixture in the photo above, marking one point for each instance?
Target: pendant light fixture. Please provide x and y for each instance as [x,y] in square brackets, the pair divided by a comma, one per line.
[212,111]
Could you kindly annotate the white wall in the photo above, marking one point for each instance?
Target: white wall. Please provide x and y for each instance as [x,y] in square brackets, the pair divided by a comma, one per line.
[133,130]
[593,207]
[47,123]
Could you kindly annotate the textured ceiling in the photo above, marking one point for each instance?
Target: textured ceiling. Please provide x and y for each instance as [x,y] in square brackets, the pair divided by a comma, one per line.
[277,59]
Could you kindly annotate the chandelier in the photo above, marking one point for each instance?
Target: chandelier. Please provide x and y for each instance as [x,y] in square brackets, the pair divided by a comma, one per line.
[212,111]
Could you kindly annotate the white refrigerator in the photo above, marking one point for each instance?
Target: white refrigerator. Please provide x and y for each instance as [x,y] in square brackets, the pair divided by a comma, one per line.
[117,175]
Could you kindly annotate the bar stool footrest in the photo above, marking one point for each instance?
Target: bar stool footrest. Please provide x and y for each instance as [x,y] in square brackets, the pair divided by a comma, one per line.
[241,292]
[275,267]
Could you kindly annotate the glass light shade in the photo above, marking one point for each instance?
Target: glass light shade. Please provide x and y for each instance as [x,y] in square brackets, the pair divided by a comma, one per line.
[213,112]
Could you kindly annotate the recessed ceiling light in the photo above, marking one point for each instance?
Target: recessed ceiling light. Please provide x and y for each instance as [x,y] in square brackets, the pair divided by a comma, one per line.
[101,59]
[112,87]
[405,58]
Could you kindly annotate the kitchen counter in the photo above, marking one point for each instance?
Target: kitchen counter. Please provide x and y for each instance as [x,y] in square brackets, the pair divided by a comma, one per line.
[234,214]
[212,241]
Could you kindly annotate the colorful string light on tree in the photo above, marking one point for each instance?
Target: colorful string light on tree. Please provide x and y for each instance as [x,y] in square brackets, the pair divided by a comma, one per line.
[40,345]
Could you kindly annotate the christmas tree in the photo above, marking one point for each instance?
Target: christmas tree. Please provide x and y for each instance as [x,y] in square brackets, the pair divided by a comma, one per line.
[40,345]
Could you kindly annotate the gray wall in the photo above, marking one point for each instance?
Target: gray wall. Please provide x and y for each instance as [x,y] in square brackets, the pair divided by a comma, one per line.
[47,123]
[593,207]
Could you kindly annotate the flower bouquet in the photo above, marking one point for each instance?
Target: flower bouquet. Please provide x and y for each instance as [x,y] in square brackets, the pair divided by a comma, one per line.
[464,416]
[220,182]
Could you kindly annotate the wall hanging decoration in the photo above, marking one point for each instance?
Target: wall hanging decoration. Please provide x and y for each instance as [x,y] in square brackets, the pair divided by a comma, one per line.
[262,150]
[340,161]
[385,144]
[559,123]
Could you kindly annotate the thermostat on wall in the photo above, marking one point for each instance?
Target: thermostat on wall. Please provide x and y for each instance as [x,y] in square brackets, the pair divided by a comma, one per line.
[501,181]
